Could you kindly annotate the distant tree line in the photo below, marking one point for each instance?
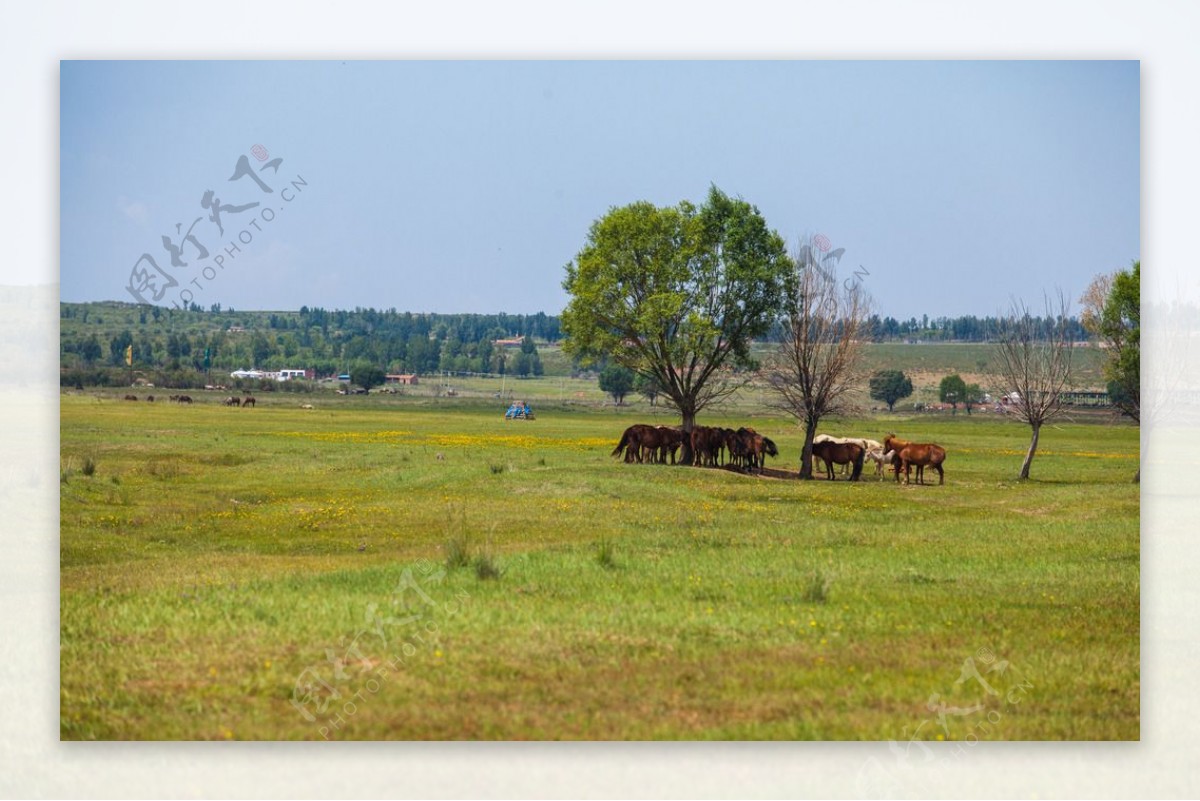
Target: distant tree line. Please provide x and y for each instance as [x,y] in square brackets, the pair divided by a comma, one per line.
[328,342]
[967,328]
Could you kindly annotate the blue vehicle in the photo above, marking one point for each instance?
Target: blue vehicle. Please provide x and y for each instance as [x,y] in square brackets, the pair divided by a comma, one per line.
[520,410]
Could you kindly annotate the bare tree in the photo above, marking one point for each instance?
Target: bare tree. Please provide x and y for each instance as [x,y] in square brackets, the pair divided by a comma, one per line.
[816,370]
[1034,365]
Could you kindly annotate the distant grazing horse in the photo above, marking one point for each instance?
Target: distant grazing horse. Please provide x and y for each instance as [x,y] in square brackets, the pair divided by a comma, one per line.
[920,455]
[131,397]
[247,402]
[185,398]
[150,399]
[840,453]
[232,401]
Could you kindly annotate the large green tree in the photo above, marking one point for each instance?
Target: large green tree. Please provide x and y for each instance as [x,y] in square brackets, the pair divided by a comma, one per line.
[367,376]
[952,390]
[617,381]
[676,294]
[890,386]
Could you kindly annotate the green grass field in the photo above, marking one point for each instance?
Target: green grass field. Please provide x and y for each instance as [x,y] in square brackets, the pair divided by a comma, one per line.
[409,569]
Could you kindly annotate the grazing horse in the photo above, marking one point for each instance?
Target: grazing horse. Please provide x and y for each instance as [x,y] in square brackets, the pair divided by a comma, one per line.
[670,441]
[631,442]
[754,448]
[879,457]
[185,398]
[247,402]
[840,453]
[865,444]
[707,445]
[232,401]
[131,397]
[920,455]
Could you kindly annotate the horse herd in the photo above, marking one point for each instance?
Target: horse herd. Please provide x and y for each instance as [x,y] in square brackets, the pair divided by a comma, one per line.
[246,402]
[711,447]
[747,449]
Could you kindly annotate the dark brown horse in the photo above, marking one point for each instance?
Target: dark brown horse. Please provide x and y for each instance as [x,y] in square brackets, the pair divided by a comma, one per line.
[247,401]
[839,453]
[915,454]
[670,440]
[752,449]
[707,446]
[631,443]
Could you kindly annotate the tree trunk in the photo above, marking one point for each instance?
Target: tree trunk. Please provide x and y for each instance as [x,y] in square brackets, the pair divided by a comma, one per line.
[1033,443]
[810,431]
[686,457]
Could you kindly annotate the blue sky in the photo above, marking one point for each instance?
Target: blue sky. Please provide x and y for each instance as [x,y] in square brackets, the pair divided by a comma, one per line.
[466,186]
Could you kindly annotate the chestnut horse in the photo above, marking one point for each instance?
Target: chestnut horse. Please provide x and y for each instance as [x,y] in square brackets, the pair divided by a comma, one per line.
[840,453]
[920,455]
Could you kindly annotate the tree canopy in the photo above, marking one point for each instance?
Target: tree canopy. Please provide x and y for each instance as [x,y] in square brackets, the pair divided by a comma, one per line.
[676,294]
[367,376]
[890,386]
[616,381]
[952,390]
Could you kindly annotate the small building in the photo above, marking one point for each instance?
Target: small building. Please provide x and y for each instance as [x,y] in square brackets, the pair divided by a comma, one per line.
[408,378]
[509,343]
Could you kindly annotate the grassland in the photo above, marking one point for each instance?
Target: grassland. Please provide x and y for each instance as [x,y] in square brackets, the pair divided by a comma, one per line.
[455,576]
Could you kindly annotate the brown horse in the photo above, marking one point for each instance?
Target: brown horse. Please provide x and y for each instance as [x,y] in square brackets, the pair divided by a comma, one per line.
[892,444]
[247,401]
[670,441]
[707,446]
[751,449]
[920,455]
[631,443]
[232,401]
[839,453]
[131,397]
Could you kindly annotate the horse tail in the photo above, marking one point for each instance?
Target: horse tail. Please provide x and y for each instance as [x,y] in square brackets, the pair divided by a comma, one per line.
[621,445]
[858,465]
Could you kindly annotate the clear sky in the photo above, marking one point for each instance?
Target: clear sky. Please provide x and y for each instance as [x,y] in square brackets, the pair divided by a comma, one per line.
[467,186]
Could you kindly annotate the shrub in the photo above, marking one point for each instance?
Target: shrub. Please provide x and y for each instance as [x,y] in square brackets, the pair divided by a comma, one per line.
[487,568]
[606,554]
[816,589]
[458,551]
